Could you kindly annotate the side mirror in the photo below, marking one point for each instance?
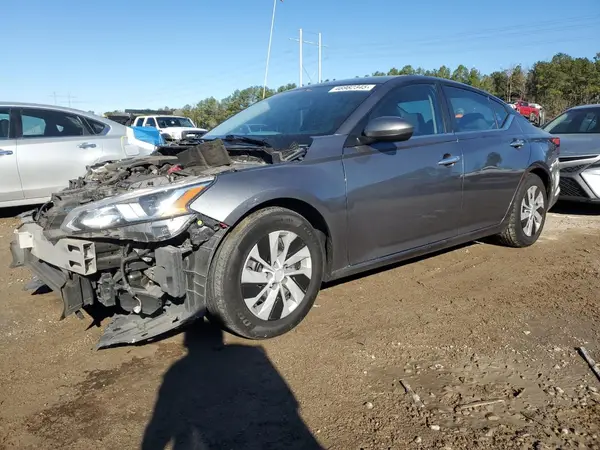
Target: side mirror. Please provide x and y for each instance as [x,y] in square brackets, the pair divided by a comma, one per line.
[387,129]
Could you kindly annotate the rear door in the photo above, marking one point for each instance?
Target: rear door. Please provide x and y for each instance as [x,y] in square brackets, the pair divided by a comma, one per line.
[495,155]
[54,147]
[10,182]
[111,138]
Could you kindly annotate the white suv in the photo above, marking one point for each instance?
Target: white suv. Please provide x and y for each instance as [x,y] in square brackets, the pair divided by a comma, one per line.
[172,128]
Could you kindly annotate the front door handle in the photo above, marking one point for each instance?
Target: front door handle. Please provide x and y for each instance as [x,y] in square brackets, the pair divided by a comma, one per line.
[87,145]
[449,160]
[517,143]
[5,152]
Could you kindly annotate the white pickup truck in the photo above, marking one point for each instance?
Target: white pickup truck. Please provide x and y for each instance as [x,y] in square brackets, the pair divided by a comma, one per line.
[172,128]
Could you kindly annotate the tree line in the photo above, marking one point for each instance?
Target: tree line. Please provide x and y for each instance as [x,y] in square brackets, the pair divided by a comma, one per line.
[558,84]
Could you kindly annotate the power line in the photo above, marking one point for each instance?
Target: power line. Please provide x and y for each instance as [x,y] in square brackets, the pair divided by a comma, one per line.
[442,46]
[190,86]
[70,98]
[482,45]
[529,28]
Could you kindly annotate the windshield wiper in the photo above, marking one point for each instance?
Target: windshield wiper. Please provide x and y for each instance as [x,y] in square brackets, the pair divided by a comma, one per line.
[246,140]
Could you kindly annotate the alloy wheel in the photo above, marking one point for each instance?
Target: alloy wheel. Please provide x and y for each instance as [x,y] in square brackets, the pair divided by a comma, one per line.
[276,275]
[532,210]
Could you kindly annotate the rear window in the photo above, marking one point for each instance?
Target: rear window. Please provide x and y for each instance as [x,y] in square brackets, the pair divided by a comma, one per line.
[500,112]
[97,127]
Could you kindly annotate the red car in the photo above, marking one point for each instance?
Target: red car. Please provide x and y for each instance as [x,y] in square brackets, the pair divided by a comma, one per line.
[532,111]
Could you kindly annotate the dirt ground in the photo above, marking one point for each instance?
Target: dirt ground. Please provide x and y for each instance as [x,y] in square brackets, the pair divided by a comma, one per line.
[478,323]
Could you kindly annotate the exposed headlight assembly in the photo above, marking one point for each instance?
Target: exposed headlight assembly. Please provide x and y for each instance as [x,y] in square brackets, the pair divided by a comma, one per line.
[152,214]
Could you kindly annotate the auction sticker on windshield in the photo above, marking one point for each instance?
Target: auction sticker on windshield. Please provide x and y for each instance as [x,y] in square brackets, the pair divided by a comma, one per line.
[353,87]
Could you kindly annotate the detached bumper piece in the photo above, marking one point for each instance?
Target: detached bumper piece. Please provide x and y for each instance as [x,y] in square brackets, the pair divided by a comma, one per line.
[160,290]
[76,291]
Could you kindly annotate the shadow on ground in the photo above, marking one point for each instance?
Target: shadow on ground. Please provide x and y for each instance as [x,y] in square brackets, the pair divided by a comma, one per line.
[222,396]
[576,209]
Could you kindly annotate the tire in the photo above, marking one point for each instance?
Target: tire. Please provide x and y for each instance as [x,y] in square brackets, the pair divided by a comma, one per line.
[244,308]
[517,232]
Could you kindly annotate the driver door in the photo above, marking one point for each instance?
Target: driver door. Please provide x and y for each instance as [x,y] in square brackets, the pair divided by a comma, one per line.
[404,195]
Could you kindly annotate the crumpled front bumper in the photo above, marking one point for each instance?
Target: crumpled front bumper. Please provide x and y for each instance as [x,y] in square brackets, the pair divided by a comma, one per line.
[69,268]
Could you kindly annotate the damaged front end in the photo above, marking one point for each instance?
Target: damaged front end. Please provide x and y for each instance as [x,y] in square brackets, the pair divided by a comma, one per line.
[124,237]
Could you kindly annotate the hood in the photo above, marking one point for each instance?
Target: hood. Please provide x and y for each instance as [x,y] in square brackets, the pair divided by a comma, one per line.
[579,144]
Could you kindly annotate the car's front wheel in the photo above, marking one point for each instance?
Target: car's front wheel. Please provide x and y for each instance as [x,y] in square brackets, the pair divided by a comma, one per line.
[528,214]
[266,274]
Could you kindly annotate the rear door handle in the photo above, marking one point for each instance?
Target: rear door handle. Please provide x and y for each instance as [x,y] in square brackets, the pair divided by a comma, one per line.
[87,145]
[449,160]
[5,152]
[517,143]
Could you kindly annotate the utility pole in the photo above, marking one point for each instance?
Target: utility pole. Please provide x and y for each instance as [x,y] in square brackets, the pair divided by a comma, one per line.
[269,49]
[301,63]
[301,41]
[320,57]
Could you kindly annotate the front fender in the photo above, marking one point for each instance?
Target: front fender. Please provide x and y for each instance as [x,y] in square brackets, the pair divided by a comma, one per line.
[320,184]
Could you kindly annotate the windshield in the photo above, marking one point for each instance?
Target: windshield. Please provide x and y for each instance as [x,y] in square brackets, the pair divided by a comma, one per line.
[296,116]
[167,122]
[575,121]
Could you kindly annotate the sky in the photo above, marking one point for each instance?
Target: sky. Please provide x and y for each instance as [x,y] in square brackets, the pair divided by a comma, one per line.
[116,54]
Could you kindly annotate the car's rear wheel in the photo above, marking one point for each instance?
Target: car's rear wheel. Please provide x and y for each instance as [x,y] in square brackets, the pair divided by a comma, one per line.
[528,214]
[266,274]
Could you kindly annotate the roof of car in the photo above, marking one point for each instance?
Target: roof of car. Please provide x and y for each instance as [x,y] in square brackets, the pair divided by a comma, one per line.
[595,105]
[397,79]
[45,106]
[376,80]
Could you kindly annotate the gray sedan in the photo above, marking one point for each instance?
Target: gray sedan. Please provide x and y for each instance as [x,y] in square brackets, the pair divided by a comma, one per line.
[340,178]
[42,147]
[579,132]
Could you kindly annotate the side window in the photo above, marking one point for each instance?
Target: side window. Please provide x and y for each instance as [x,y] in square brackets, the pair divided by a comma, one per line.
[472,111]
[96,127]
[4,123]
[139,122]
[150,122]
[499,112]
[50,123]
[590,123]
[417,103]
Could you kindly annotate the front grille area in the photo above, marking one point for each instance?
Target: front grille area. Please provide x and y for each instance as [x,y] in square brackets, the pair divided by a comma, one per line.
[571,188]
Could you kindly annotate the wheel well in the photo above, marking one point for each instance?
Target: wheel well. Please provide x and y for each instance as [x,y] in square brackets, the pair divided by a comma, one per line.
[545,177]
[311,214]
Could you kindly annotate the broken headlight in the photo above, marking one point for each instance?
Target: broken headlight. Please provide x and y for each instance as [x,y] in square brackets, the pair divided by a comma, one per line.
[148,214]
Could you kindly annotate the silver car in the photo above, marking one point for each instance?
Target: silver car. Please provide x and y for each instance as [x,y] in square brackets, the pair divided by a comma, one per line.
[42,147]
[579,132]
[340,178]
